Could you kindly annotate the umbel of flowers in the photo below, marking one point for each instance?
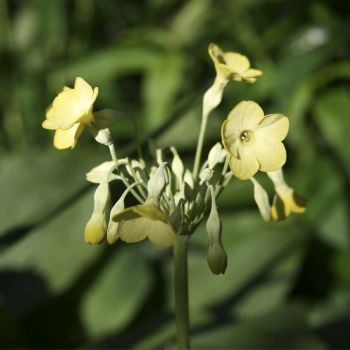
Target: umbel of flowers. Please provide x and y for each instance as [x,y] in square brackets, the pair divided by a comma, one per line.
[172,199]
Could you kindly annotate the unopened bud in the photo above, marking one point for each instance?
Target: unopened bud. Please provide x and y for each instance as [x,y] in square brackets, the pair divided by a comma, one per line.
[95,229]
[262,200]
[213,95]
[216,155]
[217,258]
[157,182]
[104,137]
[206,174]
[177,165]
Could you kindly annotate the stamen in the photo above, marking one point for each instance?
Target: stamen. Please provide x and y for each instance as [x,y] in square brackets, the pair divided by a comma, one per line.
[245,136]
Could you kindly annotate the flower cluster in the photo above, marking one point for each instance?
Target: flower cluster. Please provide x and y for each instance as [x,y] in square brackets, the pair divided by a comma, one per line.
[173,200]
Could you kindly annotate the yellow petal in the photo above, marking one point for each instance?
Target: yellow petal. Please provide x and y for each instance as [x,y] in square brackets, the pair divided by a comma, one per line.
[217,56]
[161,234]
[245,165]
[67,138]
[138,229]
[252,73]
[236,62]
[289,203]
[133,230]
[245,116]
[66,111]
[216,53]
[142,221]
[146,210]
[85,93]
[274,127]
[270,155]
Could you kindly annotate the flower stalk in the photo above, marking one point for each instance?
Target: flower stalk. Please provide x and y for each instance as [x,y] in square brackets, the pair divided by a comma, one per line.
[173,200]
[181,292]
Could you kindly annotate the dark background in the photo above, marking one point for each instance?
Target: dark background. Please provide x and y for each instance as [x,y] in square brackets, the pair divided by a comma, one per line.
[287,284]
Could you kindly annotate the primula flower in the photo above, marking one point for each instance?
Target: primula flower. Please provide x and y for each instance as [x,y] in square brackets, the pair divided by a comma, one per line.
[146,220]
[286,201]
[232,65]
[254,140]
[70,112]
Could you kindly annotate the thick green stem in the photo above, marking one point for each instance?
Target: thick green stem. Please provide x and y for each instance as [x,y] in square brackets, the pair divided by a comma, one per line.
[181,293]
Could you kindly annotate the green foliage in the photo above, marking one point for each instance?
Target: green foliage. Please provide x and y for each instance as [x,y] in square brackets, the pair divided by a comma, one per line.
[287,284]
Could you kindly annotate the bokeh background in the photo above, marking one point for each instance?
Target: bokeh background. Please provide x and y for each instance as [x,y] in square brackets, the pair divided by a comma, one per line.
[287,284]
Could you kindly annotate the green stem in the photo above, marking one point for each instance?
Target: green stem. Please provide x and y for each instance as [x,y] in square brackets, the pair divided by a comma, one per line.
[126,183]
[197,158]
[113,153]
[181,293]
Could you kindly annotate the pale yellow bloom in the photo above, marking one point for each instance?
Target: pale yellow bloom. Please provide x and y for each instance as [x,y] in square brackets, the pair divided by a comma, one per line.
[254,140]
[70,112]
[232,65]
[146,220]
[286,200]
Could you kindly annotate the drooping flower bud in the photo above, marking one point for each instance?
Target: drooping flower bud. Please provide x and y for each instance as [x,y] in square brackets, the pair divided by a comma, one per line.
[217,155]
[103,171]
[217,258]
[177,166]
[104,137]
[95,229]
[213,96]
[157,182]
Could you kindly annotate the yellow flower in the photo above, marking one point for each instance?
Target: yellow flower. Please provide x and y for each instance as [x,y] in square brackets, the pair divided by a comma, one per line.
[254,140]
[286,201]
[70,112]
[232,65]
[146,220]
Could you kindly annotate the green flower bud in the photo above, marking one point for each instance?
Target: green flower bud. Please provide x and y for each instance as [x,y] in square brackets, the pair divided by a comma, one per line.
[217,258]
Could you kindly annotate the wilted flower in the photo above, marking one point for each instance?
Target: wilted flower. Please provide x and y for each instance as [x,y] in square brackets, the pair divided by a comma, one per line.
[286,201]
[70,112]
[232,65]
[254,140]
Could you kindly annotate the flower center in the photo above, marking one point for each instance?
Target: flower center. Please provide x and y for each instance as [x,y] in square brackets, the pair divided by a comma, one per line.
[245,136]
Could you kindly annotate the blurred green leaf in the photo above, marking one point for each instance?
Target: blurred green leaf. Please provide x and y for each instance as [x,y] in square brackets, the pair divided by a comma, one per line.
[117,294]
[34,184]
[284,328]
[163,80]
[56,252]
[331,112]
